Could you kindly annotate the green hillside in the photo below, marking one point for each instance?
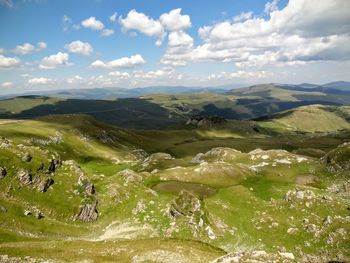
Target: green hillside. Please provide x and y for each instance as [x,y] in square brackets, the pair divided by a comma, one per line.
[69,183]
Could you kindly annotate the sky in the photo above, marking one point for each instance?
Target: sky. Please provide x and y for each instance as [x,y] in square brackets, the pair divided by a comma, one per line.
[64,44]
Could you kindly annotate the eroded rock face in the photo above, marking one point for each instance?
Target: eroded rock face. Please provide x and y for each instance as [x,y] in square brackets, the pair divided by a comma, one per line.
[3,172]
[85,183]
[24,177]
[130,176]
[88,213]
[185,204]
[45,184]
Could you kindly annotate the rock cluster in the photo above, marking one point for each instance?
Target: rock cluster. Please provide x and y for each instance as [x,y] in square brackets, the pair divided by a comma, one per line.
[205,121]
[258,256]
[88,213]
[3,172]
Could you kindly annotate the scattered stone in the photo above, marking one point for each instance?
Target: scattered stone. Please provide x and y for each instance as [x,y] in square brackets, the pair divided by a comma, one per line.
[3,172]
[328,220]
[27,213]
[3,209]
[24,177]
[292,230]
[88,213]
[27,158]
[287,255]
[38,215]
[45,184]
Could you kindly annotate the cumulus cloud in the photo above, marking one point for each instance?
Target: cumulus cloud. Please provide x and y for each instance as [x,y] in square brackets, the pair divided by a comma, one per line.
[54,61]
[243,16]
[124,62]
[7,84]
[305,30]
[75,80]
[28,48]
[107,32]
[9,62]
[142,23]
[41,81]
[79,47]
[113,18]
[92,23]
[174,21]
[271,7]
[179,38]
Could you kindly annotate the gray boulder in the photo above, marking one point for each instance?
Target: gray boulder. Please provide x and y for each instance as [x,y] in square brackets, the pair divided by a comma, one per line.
[24,177]
[3,172]
[3,209]
[88,213]
[45,184]
[27,158]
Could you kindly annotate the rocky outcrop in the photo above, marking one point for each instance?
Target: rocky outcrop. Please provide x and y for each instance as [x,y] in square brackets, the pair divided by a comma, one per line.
[338,159]
[44,185]
[186,204]
[3,172]
[205,121]
[256,256]
[219,154]
[130,176]
[155,158]
[25,178]
[88,213]
[4,143]
[140,154]
[86,185]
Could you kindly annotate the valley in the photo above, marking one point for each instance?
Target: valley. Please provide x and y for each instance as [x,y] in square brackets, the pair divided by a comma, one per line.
[88,188]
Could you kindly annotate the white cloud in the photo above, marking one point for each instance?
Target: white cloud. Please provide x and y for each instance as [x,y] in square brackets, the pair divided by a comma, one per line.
[28,48]
[124,62]
[7,84]
[107,32]
[113,18]
[9,62]
[2,51]
[303,31]
[180,38]
[79,47]
[142,23]
[54,61]
[243,16]
[40,81]
[75,80]
[271,7]
[92,23]
[66,21]
[174,21]
[24,49]
[119,74]
[42,45]
[8,3]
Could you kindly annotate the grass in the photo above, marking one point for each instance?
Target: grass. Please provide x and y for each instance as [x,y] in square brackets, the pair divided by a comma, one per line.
[234,197]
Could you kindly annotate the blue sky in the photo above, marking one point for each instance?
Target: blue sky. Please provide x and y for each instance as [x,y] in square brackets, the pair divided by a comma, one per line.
[103,43]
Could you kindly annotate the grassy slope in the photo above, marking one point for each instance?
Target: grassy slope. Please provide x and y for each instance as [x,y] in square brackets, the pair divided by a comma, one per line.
[226,211]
